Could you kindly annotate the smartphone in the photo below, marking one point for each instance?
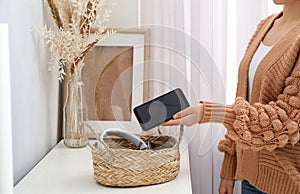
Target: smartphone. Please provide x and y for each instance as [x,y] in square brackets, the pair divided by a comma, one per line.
[160,109]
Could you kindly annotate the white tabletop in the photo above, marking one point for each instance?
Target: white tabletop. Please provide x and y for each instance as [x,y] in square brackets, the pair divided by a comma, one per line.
[70,171]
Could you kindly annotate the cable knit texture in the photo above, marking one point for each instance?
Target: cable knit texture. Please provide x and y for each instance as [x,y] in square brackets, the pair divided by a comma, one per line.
[262,139]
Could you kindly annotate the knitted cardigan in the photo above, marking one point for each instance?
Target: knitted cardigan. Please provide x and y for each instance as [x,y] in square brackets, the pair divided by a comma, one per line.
[262,140]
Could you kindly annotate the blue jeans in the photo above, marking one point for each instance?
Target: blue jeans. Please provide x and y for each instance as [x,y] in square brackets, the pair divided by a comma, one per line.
[247,188]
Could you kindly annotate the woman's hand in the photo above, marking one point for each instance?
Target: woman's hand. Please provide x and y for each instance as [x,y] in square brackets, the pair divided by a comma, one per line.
[226,186]
[188,116]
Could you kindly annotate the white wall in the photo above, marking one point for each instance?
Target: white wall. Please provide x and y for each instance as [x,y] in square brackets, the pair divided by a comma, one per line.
[124,14]
[34,90]
[6,170]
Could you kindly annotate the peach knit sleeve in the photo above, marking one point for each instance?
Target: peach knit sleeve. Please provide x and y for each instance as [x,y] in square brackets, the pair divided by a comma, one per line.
[261,126]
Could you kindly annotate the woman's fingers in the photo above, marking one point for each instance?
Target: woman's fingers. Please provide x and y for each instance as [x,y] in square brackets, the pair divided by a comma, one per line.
[172,122]
[188,116]
[188,120]
[194,109]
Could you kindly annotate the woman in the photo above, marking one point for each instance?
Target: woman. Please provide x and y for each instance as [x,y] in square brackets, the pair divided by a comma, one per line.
[261,145]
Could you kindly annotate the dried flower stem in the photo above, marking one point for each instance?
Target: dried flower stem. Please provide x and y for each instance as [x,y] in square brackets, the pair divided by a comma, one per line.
[85,27]
[75,36]
[83,54]
[55,13]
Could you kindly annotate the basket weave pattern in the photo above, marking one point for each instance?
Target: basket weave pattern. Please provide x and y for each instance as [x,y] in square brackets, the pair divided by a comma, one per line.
[120,164]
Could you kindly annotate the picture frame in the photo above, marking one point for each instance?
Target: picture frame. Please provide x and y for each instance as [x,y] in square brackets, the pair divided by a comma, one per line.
[115,78]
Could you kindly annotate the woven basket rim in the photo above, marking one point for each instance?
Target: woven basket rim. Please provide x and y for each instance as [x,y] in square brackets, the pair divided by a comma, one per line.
[124,167]
[133,150]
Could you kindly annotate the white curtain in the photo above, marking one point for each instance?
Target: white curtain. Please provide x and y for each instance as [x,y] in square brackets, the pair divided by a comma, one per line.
[197,45]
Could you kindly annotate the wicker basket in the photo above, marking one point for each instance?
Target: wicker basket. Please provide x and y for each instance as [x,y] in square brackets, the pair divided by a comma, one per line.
[121,164]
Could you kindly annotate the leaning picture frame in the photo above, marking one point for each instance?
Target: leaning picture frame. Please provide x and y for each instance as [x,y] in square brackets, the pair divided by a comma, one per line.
[115,78]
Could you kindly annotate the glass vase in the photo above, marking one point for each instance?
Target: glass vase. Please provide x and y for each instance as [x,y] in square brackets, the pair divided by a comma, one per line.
[74,113]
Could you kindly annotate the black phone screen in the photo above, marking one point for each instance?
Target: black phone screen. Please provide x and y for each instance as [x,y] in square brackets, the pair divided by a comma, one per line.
[160,109]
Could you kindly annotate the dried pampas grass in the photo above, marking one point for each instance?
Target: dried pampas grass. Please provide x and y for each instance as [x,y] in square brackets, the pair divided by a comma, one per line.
[55,13]
[80,25]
